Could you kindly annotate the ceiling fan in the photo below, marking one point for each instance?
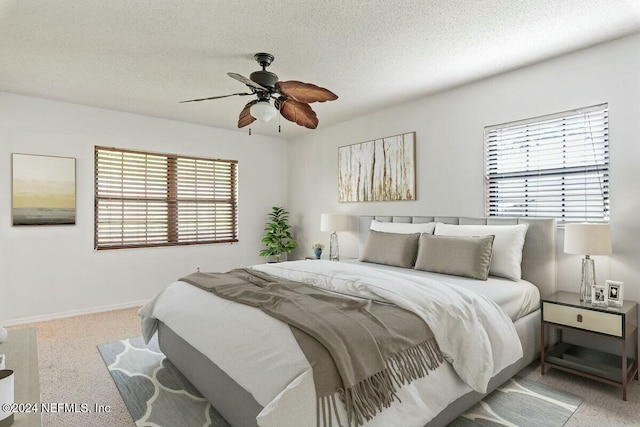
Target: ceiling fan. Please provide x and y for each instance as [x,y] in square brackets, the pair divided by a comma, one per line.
[291,98]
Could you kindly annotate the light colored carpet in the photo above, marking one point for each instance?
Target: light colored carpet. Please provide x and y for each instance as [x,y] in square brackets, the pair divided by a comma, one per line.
[71,370]
[603,404]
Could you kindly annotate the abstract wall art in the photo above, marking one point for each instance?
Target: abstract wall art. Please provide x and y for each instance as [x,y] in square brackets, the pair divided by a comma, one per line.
[43,190]
[378,170]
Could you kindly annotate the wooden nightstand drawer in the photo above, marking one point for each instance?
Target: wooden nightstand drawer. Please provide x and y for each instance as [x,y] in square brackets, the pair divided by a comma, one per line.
[596,321]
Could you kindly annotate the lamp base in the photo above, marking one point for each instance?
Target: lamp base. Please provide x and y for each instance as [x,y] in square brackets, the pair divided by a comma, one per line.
[588,279]
[334,253]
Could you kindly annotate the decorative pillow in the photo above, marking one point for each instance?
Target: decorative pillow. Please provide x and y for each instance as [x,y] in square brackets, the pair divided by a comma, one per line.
[395,249]
[459,256]
[507,245]
[403,227]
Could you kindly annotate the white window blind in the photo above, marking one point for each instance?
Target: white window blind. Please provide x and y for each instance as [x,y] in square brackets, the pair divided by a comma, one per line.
[149,199]
[554,166]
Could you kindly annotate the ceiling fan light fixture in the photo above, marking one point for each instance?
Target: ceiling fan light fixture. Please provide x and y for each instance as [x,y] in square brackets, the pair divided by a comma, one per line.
[263,111]
[291,97]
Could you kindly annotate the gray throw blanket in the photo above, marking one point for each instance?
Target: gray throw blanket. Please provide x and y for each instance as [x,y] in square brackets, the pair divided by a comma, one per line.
[361,349]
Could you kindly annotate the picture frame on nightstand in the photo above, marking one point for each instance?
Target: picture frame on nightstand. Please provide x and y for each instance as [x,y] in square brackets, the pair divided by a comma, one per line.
[599,295]
[615,292]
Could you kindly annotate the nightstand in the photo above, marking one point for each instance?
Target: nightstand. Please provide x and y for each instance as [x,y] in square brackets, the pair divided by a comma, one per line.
[564,311]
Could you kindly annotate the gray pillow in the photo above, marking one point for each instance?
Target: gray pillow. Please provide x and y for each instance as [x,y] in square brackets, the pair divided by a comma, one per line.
[458,256]
[399,250]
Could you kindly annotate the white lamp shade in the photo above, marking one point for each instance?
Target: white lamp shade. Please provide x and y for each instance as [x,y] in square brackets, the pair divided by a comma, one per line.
[263,111]
[334,222]
[587,239]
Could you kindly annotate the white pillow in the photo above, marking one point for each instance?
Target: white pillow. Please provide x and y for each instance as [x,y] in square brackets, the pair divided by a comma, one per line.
[507,245]
[402,227]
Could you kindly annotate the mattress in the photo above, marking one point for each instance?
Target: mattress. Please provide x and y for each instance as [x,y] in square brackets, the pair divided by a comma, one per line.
[516,299]
[266,361]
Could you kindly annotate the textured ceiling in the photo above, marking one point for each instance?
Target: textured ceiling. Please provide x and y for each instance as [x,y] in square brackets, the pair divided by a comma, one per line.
[145,56]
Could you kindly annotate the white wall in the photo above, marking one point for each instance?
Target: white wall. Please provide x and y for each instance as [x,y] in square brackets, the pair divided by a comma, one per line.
[47,270]
[449,140]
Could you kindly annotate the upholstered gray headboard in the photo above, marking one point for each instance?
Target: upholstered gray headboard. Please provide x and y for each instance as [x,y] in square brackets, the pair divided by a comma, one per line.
[538,254]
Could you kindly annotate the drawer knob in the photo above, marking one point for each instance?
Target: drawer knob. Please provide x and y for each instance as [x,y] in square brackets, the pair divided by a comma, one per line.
[580,318]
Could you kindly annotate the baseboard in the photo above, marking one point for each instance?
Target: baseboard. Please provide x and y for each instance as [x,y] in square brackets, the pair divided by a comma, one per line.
[72,313]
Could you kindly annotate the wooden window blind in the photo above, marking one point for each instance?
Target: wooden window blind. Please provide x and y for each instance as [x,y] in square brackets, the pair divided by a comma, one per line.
[149,199]
[555,166]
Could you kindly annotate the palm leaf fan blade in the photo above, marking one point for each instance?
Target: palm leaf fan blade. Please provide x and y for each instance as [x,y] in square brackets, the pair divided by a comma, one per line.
[216,97]
[246,81]
[299,113]
[305,92]
[245,117]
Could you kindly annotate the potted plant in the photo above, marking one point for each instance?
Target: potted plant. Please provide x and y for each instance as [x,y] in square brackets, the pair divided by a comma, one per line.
[278,237]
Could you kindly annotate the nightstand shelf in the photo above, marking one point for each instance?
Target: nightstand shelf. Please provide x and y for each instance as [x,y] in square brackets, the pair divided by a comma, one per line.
[564,311]
[589,361]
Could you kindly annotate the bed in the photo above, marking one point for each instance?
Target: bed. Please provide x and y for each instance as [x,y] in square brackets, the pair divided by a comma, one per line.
[282,382]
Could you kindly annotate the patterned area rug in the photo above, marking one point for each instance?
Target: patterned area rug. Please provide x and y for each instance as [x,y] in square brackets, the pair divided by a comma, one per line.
[157,394]
[153,389]
[521,403]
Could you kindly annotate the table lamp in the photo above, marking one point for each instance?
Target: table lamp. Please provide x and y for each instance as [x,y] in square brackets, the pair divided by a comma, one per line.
[587,239]
[334,223]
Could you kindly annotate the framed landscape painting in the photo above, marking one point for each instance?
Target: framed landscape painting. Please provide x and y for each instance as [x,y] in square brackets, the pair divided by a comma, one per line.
[43,190]
[379,170]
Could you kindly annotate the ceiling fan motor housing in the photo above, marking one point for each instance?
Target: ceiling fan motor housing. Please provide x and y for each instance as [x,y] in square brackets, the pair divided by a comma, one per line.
[264,78]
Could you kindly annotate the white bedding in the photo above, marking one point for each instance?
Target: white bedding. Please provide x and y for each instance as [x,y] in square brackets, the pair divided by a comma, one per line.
[474,334]
[515,298]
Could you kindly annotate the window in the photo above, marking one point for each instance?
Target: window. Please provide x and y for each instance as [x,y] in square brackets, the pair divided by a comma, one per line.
[149,199]
[554,166]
